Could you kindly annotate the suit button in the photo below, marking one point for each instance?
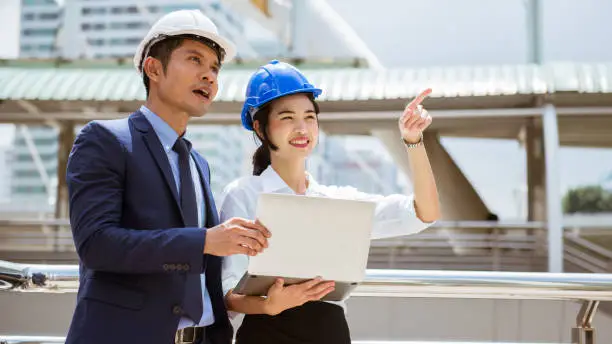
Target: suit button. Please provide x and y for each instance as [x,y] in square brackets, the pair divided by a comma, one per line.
[186,267]
[177,310]
[166,267]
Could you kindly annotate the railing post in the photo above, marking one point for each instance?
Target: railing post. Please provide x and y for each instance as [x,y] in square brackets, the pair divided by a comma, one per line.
[66,138]
[584,333]
[554,211]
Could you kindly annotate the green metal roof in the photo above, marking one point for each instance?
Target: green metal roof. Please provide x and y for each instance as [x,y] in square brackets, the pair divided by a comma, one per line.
[338,84]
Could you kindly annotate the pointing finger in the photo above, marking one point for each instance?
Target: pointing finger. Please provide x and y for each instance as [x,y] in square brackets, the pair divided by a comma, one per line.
[419,99]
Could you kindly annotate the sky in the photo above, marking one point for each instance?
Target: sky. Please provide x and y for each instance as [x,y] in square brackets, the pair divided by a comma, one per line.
[9,28]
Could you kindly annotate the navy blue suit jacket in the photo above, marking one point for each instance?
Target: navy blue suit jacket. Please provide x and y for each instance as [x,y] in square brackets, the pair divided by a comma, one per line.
[134,250]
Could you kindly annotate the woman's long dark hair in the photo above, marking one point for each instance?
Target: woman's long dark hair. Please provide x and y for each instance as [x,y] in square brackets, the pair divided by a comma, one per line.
[261,158]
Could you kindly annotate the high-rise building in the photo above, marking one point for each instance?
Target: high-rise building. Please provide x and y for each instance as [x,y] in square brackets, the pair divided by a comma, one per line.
[5,175]
[113,28]
[34,161]
[34,166]
[225,148]
[335,163]
[40,21]
[107,29]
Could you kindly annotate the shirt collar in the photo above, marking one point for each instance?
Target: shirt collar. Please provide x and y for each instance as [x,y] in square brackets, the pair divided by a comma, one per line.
[272,182]
[167,135]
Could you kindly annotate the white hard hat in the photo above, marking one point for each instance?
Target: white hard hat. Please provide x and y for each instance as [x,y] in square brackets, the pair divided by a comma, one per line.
[182,22]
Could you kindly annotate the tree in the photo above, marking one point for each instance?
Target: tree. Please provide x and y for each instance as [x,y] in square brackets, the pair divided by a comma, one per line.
[587,199]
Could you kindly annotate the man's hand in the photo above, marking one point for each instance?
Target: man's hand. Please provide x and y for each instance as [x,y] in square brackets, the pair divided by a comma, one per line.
[236,236]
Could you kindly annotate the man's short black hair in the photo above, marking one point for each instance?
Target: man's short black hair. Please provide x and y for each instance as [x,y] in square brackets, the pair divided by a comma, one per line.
[162,50]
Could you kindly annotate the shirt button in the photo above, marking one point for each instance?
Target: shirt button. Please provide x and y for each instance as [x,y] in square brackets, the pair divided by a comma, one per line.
[177,310]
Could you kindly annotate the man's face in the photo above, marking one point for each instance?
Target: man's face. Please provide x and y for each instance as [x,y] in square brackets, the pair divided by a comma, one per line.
[190,82]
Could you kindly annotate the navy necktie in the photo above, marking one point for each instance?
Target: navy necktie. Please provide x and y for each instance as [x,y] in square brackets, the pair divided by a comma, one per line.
[192,302]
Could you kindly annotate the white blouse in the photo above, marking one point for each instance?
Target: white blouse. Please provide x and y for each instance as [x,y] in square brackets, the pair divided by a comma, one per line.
[395,215]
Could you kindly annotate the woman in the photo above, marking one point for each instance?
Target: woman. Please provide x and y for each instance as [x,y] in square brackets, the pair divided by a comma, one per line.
[280,108]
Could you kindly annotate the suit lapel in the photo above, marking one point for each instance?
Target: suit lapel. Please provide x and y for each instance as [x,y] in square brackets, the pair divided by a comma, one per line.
[159,155]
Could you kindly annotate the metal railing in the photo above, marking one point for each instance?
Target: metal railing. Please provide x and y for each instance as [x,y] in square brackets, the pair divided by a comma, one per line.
[589,289]
[448,245]
[56,340]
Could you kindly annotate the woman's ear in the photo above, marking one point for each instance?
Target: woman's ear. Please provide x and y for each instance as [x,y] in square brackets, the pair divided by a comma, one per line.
[257,129]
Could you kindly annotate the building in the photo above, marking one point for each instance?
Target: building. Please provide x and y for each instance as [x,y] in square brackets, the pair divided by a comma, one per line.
[5,175]
[34,167]
[337,163]
[225,149]
[40,21]
[107,29]
[113,28]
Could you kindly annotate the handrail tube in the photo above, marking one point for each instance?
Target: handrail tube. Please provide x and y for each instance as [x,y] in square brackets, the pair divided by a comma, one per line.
[392,283]
[35,340]
[588,288]
[440,224]
[42,339]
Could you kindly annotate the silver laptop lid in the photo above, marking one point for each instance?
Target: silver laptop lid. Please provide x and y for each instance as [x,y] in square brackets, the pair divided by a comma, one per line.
[314,236]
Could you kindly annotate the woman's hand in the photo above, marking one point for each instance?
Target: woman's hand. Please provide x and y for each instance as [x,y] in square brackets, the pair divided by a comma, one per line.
[281,298]
[415,119]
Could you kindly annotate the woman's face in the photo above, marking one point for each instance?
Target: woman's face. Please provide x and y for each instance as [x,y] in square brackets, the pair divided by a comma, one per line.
[292,126]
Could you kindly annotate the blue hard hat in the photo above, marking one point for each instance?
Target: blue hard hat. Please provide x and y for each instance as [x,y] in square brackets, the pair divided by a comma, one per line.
[272,81]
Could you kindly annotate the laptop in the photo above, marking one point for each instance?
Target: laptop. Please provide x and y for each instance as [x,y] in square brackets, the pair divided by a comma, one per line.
[311,236]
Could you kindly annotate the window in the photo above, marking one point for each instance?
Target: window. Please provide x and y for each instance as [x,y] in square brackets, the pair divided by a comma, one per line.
[136,25]
[172,8]
[48,16]
[39,32]
[93,10]
[121,10]
[95,42]
[23,158]
[124,41]
[34,173]
[93,26]
[29,189]
[38,141]
[28,16]
[130,25]
[39,2]
[46,47]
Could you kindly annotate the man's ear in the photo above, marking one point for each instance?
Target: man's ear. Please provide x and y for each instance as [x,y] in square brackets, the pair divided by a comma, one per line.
[153,68]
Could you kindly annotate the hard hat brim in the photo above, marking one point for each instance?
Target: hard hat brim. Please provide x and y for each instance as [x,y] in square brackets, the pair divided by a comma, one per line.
[224,43]
[248,111]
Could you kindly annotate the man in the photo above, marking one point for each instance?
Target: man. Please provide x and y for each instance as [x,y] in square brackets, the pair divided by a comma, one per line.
[143,217]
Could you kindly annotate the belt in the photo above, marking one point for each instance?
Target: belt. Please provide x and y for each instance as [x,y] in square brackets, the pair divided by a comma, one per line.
[190,335]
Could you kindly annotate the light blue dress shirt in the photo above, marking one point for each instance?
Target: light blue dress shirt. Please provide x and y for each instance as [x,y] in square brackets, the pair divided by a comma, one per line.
[167,136]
